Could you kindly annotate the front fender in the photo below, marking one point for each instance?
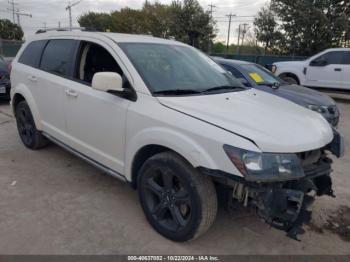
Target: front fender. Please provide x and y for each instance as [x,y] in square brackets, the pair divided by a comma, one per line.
[176,141]
[26,93]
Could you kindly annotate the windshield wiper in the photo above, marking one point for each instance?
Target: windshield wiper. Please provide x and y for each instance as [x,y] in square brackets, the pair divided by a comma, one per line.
[218,88]
[176,92]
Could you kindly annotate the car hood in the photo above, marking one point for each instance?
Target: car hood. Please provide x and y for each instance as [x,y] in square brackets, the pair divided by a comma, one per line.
[289,63]
[273,123]
[300,95]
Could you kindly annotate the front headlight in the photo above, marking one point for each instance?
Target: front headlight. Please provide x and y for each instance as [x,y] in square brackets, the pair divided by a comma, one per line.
[316,108]
[265,167]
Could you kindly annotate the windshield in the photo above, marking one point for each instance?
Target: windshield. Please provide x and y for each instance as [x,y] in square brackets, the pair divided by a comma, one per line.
[260,75]
[174,69]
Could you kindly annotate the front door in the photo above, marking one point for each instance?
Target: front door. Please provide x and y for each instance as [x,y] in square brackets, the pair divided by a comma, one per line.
[327,70]
[96,120]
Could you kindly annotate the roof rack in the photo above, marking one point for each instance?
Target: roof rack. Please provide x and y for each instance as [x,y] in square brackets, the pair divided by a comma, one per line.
[65,29]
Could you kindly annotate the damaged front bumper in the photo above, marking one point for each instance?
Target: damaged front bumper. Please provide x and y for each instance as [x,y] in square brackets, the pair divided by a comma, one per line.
[283,204]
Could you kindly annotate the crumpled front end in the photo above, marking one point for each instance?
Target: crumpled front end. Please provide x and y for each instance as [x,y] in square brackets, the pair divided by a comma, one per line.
[283,204]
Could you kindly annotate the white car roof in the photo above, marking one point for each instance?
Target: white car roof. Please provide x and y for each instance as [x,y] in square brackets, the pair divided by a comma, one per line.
[338,49]
[116,37]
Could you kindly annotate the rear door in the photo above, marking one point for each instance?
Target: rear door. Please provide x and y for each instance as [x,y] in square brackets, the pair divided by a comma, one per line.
[55,76]
[25,69]
[327,70]
[96,120]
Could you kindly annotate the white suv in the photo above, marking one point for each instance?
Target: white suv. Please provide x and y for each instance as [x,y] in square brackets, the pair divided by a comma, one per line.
[165,118]
[329,69]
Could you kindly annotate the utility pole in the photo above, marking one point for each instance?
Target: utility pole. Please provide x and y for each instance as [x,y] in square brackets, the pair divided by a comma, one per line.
[229,31]
[44,23]
[69,8]
[243,31]
[59,24]
[12,9]
[239,37]
[18,13]
[245,28]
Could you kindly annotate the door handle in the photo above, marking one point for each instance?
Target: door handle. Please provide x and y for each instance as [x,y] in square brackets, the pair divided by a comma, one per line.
[338,69]
[71,93]
[33,78]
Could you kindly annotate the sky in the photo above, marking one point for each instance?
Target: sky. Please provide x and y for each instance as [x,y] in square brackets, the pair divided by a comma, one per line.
[50,12]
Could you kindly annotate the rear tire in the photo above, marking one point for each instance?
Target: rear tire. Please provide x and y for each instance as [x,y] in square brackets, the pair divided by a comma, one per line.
[178,201]
[30,136]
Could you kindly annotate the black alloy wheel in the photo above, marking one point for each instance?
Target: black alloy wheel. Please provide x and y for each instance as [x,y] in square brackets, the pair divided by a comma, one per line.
[178,201]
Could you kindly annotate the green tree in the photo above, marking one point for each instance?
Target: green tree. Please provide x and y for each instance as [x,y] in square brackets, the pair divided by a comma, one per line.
[266,28]
[310,26]
[10,31]
[191,24]
[98,21]
[157,19]
[219,48]
[185,20]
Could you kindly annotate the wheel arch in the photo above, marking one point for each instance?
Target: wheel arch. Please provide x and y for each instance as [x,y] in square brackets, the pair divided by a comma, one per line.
[141,157]
[292,74]
[153,142]
[22,93]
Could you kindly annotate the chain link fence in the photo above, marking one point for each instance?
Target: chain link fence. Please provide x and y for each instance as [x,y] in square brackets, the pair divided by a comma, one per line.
[9,48]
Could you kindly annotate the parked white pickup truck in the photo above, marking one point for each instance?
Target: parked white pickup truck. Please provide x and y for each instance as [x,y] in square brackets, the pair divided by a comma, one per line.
[329,69]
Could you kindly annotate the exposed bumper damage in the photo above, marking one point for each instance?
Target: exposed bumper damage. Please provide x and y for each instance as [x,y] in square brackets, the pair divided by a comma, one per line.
[283,205]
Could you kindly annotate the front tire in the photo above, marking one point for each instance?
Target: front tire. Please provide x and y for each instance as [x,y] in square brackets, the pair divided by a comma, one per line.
[291,80]
[30,136]
[178,201]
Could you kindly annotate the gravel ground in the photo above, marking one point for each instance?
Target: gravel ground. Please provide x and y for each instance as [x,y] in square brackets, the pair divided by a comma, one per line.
[54,203]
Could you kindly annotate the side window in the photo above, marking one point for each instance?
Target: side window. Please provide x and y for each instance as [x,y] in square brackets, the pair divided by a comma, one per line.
[234,71]
[92,59]
[330,58]
[237,74]
[57,57]
[347,58]
[32,53]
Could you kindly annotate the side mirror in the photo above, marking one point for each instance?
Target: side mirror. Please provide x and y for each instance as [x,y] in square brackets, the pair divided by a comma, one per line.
[108,82]
[319,62]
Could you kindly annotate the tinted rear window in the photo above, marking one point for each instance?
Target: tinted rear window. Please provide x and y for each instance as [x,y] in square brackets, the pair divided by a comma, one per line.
[58,57]
[32,53]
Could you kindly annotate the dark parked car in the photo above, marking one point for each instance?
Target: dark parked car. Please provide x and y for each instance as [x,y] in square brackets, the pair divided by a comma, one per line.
[4,79]
[256,76]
